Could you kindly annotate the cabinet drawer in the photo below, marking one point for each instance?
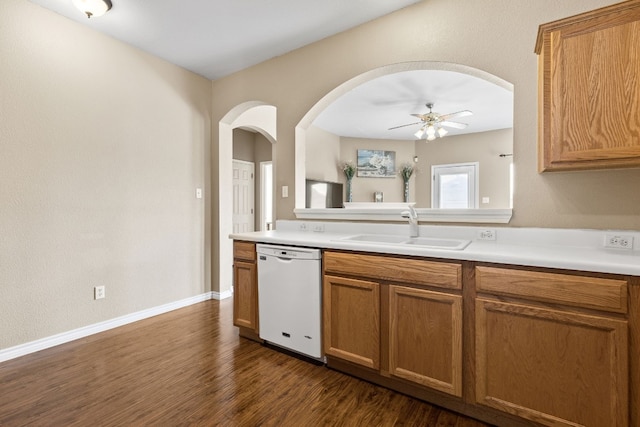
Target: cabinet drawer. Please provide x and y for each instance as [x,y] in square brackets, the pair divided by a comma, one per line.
[441,274]
[573,290]
[244,250]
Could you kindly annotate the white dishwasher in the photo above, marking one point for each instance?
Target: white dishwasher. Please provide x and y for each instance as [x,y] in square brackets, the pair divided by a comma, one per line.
[289,298]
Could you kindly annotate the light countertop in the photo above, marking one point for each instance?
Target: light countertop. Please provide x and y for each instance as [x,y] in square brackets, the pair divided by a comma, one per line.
[539,247]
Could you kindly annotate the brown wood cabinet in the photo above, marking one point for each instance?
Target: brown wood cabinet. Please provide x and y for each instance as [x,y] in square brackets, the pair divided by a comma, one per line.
[245,287]
[386,313]
[425,338]
[510,345]
[589,90]
[352,320]
[558,366]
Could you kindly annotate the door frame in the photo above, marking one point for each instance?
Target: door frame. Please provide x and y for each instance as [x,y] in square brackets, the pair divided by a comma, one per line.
[264,225]
[256,116]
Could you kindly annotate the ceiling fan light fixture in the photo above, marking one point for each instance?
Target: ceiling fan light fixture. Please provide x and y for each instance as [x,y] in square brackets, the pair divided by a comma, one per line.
[431,131]
[93,7]
[432,124]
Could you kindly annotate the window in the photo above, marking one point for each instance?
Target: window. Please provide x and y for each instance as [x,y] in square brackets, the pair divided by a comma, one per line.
[454,186]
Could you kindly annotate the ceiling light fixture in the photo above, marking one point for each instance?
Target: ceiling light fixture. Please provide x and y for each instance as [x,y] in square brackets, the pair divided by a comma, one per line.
[431,131]
[433,123]
[93,7]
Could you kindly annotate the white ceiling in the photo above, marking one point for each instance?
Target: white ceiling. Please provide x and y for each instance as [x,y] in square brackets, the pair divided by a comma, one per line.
[369,110]
[215,38]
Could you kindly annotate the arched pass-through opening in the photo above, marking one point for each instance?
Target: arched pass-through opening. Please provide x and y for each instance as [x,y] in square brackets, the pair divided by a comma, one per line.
[469,215]
[258,117]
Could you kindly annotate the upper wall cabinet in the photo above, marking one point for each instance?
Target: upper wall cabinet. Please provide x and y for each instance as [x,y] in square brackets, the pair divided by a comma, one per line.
[589,90]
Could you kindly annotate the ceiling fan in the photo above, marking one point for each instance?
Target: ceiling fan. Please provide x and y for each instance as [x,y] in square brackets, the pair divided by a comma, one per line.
[433,123]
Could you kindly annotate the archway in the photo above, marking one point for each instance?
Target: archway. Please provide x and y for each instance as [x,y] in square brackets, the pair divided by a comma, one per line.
[329,98]
[255,116]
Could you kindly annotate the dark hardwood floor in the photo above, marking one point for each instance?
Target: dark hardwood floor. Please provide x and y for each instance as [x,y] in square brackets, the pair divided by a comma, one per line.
[189,367]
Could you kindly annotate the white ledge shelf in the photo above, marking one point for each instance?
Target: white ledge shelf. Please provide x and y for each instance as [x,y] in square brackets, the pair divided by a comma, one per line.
[373,205]
[383,213]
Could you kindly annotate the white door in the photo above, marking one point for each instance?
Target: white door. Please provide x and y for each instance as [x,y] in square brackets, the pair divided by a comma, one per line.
[243,198]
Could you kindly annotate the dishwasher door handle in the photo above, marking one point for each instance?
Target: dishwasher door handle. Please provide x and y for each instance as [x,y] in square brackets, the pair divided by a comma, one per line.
[277,258]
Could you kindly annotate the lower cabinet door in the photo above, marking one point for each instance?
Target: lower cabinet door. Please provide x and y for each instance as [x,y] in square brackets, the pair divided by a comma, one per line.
[425,338]
[245,295]
[554,367]
[352,320]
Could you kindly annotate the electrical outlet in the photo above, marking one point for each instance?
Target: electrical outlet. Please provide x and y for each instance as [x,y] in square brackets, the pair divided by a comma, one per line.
[98,292]
[618,241]
[302,226]
[318,228]
[487,234]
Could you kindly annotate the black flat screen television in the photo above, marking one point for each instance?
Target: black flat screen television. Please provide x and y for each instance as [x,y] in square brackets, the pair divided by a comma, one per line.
[323,194]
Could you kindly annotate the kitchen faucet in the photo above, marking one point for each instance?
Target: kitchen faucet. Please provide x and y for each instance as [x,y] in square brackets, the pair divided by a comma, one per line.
[412,216]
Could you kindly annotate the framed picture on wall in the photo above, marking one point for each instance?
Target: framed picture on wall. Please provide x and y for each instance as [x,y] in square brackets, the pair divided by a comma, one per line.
[376,164]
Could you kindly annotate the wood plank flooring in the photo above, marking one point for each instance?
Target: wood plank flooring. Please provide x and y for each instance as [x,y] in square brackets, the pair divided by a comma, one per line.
[189,367]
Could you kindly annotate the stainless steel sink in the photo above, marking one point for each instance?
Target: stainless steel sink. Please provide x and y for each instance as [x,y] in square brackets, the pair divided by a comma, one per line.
[426,242]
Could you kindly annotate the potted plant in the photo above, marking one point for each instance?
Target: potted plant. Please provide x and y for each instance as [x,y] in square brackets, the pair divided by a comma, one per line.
[406,170]
[349,170]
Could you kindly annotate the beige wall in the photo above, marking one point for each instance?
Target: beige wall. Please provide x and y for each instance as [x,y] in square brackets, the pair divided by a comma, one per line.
[391,187]
[482,147]
[101,150]
[497,36]
[243,145]
[102,147]
[322,155]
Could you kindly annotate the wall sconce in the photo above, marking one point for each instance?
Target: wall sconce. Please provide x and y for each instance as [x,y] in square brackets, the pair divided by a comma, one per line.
[93,7]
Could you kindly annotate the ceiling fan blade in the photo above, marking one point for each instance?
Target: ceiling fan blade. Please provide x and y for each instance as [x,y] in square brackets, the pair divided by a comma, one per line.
[420,116]
[463,113]
[455,125]
[401,126]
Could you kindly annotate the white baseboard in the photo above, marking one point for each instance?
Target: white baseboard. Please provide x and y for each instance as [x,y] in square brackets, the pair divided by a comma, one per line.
[221,296]
[52,341]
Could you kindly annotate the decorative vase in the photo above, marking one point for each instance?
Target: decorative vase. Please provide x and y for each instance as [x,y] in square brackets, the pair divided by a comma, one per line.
[349,193]
[406,191]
